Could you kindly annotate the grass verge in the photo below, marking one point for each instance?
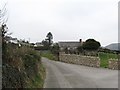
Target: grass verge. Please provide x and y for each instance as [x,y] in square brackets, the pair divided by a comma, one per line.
[38,80]
[48,55]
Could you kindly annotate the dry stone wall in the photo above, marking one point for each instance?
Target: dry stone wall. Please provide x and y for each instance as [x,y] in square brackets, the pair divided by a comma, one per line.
[113,64]
[80,60]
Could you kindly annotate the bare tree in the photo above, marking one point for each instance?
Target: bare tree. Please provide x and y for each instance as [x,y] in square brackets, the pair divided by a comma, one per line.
[3,20]
[3,15]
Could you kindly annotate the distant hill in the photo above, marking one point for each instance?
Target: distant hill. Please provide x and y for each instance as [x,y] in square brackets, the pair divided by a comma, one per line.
[113,46]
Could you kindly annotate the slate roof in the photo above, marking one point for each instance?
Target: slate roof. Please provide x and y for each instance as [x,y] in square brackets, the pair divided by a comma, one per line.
[69,44]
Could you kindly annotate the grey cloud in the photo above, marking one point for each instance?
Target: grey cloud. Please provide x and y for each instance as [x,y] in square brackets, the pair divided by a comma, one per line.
[66,19]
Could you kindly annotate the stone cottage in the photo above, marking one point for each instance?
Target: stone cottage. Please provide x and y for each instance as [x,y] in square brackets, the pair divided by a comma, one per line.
[70,46]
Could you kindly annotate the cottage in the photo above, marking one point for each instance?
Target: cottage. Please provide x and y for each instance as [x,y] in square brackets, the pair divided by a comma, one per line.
[10,39]
[72,46]
[38,44]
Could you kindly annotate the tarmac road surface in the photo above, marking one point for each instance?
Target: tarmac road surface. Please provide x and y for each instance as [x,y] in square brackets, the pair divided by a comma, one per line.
[63,75]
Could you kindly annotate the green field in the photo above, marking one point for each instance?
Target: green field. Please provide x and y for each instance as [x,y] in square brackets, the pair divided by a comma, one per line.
[104,58]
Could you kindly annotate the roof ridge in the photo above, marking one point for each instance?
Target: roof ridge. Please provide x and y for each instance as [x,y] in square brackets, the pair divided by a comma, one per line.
[70,41]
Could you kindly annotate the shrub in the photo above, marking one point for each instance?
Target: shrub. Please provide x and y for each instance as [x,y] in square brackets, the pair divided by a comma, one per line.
[21,65]
[91,44]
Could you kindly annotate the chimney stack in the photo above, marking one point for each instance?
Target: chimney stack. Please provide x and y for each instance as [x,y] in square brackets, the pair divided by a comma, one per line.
[80,40]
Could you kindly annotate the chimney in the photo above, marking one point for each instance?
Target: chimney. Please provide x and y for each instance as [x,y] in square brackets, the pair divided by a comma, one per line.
[80,40]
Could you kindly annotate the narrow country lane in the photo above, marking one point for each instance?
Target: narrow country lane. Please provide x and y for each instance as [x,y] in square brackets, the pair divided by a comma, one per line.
[63,75]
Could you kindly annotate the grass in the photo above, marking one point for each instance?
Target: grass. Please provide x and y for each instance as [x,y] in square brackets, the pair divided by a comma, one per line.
[48,55]
[38,80]
[104,58]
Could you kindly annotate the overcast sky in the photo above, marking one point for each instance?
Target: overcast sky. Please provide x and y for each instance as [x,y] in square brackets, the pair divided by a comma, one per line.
[68,20]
